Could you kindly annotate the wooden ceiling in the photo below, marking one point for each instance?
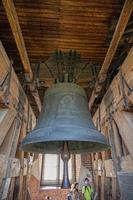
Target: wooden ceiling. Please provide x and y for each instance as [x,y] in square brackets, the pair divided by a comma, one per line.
[46,25]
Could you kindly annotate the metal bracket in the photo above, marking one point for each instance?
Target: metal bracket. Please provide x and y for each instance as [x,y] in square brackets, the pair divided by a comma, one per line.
[5,87]
[130,90]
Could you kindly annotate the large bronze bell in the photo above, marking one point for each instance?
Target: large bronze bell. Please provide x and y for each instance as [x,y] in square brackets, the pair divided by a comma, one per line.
[64,118]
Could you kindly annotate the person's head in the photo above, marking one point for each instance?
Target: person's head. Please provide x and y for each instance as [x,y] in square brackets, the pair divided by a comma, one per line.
[76,185]
[86,181]
[47,198]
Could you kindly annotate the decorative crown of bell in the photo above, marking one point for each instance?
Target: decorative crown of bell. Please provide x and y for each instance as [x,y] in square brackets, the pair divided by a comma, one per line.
[64,118]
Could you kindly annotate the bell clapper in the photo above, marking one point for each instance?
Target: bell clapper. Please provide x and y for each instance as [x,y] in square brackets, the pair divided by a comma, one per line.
[65,155]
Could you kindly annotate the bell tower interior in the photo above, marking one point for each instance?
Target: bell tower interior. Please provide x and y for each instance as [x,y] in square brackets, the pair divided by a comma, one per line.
[66,99]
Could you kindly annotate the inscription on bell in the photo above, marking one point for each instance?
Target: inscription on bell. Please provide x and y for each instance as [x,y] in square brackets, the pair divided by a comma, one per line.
[67,105]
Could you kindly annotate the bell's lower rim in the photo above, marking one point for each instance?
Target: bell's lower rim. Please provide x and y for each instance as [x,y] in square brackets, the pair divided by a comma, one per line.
[64,133]
[50,140]
[54,147]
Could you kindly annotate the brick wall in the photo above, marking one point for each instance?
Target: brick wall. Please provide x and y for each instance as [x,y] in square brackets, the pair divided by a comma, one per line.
[38,194]
[57,194]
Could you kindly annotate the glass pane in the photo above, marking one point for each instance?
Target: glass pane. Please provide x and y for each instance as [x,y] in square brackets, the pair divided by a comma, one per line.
[53,170]
[50,167]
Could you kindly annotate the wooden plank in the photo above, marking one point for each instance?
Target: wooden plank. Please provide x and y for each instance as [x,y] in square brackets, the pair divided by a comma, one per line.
[120,28]
[17,33]
[7,144]
[124,121]
[6,119]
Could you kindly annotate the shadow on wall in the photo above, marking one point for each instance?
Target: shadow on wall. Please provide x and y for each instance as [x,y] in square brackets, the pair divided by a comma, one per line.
[84,172]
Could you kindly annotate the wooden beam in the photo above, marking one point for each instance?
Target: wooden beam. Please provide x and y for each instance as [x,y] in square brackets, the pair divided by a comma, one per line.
[17,33]
[120,28]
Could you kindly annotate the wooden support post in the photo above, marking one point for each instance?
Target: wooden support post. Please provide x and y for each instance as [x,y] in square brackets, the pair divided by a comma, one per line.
[21,156]
[120,28]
